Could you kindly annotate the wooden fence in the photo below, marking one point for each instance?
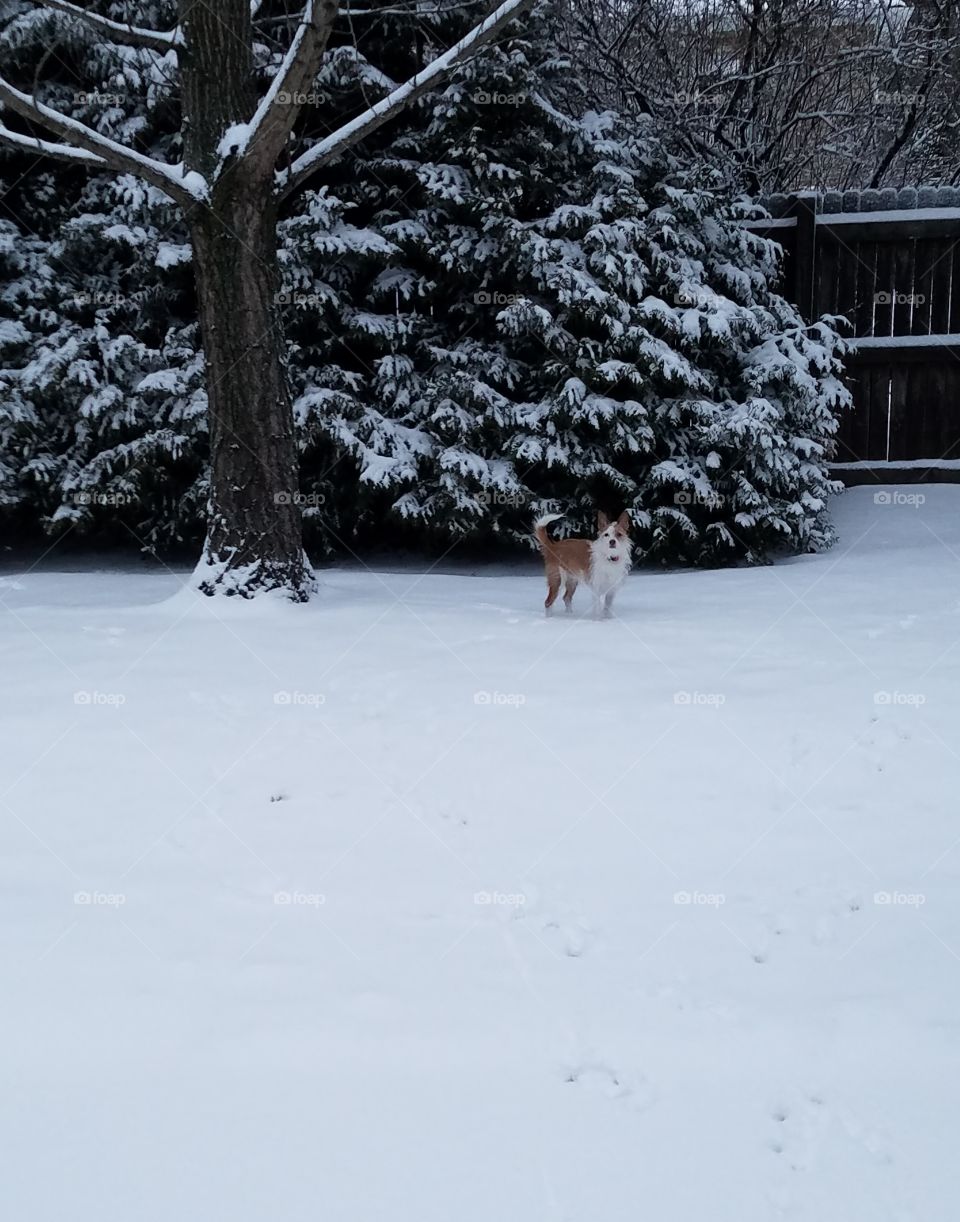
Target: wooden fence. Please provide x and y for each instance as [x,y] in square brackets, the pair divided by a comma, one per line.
[895,274]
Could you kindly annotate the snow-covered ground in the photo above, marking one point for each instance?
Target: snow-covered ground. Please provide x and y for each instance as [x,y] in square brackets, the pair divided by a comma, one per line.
[415,906]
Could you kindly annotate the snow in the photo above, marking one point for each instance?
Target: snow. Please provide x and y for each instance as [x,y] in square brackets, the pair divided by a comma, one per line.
[899,464]
[368,73]
[157,39]
[12,331]
[172,254]
[902,341]
[234,140]
[889,216]
[414,904]
[779,222]
[48,147]
[858,218]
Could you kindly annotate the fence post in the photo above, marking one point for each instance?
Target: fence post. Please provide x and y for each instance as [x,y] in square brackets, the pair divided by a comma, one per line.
[804,208]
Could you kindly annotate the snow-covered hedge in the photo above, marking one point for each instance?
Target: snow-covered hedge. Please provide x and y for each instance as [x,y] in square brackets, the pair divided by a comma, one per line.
[504,302]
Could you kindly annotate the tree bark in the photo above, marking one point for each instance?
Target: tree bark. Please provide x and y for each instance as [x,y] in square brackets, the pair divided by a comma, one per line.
[254,539]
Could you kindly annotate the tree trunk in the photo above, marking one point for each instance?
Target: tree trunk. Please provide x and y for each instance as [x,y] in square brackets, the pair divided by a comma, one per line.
[253,533]
[254,540]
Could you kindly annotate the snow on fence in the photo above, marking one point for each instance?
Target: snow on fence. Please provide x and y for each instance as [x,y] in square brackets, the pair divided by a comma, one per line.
[889,262]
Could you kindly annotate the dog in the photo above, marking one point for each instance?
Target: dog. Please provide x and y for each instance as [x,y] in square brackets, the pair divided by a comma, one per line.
[601,564]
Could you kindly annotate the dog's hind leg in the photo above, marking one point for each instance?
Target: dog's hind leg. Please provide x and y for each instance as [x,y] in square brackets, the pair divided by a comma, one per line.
[553,588]
[569,591]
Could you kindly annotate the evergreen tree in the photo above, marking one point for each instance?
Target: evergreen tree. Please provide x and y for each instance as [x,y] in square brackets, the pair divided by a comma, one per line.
[103,427]
[568,316]
[502,302]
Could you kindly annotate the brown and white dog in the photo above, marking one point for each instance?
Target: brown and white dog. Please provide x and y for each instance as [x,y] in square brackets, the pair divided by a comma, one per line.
[601,563]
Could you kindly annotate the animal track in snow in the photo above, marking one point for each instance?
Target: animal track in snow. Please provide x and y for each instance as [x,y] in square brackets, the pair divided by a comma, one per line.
[841,910]
[818,915]
[798,1131]
[598,1078]
[571,937]
[564,933]
[638,1093]
[803,1128]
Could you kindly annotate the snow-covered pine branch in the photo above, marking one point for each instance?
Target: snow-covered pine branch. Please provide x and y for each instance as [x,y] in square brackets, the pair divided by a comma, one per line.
[117,31]
[185,190]
[381,112]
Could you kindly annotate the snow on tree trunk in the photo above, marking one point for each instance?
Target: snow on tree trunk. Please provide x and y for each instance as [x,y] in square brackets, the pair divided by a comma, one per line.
[254,534]
[254,539]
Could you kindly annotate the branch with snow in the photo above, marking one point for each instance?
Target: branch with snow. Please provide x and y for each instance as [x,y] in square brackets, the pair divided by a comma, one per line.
[64,152]
[84,141]
[381,112]
[412,10]
[262,139]
[117,31]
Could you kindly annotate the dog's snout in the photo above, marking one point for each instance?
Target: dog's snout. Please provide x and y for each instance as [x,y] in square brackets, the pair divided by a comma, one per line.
[613,543]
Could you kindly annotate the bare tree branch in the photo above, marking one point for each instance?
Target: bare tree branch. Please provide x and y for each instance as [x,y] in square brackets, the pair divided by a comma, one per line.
[381,112]
[278,109]
[117,31]
[63,152]
[783,94]
[411,10]
[166,178]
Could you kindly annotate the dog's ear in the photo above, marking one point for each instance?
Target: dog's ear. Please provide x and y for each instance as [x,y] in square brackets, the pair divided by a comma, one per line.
[624,522]
[602,520]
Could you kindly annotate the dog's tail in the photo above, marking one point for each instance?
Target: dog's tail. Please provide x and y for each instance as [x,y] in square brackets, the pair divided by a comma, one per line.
[544,542]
